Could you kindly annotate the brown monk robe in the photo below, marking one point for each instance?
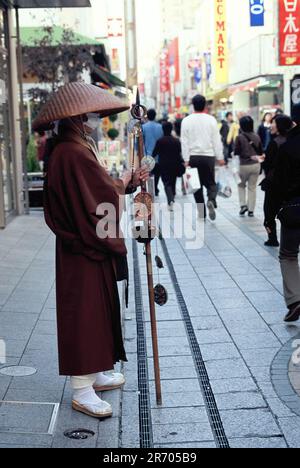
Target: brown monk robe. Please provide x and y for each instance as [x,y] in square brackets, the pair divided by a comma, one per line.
[88,307]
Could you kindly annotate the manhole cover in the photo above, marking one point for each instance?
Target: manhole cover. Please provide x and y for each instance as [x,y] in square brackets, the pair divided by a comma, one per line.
[18,371]
[79,434]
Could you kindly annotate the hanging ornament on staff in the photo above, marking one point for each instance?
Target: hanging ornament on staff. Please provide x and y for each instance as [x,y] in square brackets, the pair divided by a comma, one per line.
[144,230]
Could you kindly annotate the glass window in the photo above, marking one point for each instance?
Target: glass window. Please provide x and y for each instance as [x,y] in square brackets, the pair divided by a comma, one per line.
[6,166]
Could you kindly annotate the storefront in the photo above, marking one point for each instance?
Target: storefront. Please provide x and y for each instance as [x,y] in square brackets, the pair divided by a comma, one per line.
[12,145]
[258,96]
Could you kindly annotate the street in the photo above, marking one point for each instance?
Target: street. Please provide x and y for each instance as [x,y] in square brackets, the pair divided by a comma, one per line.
[237,384]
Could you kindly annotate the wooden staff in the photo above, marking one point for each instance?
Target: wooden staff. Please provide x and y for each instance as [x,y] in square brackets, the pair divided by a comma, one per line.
[139,113]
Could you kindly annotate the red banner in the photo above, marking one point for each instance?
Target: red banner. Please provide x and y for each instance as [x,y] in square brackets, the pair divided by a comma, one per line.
[289,32]
[164,73]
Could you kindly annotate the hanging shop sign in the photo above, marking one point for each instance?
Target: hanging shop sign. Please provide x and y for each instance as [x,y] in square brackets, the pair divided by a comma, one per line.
[289,32]
[221,42]
[165,84]
[257,13]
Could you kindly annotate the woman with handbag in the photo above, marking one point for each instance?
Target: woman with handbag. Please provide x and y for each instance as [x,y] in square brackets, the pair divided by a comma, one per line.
[281,124]
[287,185]
[171,164]
[249,148]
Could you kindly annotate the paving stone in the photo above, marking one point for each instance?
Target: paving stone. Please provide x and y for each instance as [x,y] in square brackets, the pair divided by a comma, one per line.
[256,341]
[240,400]
[195,445]
[179,400]
[180,415]
[251,423]
[177,386]
[227,369]
[260,357]
[291,430]
[223,386]
[257,443]
[212,336]
[173,433]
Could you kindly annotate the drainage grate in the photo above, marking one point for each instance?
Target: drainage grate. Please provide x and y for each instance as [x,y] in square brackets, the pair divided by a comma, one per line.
[146,434]
[79,434]
[211,405]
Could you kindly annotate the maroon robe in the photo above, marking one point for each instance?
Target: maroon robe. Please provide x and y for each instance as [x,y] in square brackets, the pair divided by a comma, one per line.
[88,307]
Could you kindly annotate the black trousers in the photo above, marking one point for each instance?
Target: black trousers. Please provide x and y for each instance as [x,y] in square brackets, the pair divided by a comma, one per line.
[169,181]
[157,175]
[271,209]
[206,167]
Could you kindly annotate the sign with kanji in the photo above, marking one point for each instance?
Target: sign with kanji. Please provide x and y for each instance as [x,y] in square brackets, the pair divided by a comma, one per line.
[115,27]
[289,32]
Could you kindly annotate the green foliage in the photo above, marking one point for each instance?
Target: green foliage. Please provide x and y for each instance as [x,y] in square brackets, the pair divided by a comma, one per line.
[113,118]
[32,160]
[113,133]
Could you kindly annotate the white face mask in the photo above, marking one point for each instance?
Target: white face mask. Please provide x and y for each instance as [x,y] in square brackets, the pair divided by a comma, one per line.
[93,121]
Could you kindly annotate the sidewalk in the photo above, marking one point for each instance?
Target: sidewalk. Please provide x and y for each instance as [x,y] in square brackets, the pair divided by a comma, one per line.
[233,294]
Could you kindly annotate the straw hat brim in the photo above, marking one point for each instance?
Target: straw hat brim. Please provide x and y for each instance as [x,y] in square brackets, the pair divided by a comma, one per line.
[76,99]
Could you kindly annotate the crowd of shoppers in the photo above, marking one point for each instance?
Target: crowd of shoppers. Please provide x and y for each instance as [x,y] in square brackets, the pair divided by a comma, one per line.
[272,152]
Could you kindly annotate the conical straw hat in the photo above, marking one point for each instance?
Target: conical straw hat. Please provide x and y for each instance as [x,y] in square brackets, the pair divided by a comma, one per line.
[77,99]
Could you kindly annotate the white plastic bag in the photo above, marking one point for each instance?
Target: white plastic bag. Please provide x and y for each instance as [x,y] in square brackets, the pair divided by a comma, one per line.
[234,166]
[223,183]
[191,180]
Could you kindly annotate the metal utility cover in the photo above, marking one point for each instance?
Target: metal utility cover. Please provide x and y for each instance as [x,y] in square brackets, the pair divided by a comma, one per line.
[28,418]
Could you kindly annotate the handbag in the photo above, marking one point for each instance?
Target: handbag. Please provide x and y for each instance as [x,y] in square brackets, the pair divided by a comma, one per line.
[289,215]
[191,180]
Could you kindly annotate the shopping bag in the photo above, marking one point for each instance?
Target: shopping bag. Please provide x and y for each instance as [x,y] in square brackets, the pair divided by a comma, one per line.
[191,180]
[223,183]
[234,166]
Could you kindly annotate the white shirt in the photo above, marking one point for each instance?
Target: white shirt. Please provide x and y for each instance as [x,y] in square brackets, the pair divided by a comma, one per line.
[200,136]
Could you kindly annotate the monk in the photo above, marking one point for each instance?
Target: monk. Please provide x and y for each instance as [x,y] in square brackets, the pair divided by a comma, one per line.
[87,267]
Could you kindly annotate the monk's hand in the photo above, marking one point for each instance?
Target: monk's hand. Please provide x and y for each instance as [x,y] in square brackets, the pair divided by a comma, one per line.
[127,178]
[141,176]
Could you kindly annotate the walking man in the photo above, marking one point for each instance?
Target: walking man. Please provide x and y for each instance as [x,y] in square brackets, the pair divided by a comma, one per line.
[201,147]
[152,131]
[287,180]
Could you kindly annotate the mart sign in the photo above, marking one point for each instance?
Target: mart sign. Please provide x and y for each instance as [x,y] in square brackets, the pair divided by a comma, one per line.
[289,32]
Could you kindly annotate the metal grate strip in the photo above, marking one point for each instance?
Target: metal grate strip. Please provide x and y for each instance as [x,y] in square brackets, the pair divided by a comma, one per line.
[211,405]
[146,433]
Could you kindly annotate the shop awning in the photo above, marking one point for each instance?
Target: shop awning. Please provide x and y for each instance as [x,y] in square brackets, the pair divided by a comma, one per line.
[99,74]
[45,3]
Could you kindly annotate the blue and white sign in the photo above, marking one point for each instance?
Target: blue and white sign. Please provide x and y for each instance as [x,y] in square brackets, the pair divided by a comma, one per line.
[257,13]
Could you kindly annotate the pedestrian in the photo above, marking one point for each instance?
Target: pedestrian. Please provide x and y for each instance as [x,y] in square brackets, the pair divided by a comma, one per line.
[287,183]
[224,131]
[281,125]
[41,140]
[152,132]
[88,263]
[201,147]
[264,130]
[171,164]
[248,147]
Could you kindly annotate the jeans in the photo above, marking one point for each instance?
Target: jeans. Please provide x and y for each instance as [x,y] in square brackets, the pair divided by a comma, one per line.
[289,261]
[271,208]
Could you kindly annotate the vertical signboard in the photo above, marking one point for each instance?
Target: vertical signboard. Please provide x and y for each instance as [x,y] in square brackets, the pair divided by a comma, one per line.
[289,32]
[257,13]
[164,76]
[221,42]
